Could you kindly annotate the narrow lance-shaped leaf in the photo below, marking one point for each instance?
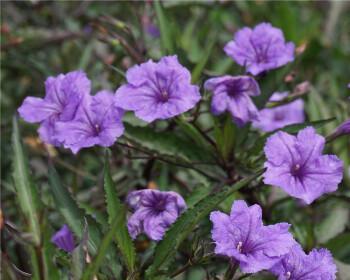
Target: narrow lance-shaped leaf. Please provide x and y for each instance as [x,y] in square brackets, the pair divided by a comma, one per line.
[165,32]
[167,247]
[73,215]
[78,256]
[197,71]
[93,268]
[117,210]
[25,189]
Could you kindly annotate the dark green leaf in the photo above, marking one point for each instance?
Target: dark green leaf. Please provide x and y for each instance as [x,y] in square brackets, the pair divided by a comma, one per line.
[194,134]
[340,247]
[225,137]
[165,32]
[69,209]
[199,192]
[294,128]
[26,191]
[197,71]
[116,211]
[93,268]
[78,256]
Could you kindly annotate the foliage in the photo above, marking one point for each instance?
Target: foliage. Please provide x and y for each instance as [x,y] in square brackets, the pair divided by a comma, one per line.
[208,160]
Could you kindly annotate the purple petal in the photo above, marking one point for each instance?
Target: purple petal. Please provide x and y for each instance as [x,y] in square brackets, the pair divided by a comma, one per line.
[221,234]
[296,265]
[35,109]
[273,118]
[309,144]
[63,239]
[47,132]
[279,149]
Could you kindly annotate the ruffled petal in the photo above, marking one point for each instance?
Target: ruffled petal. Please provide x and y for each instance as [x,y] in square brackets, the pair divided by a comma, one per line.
[280,149]
[35,109]
[309,144]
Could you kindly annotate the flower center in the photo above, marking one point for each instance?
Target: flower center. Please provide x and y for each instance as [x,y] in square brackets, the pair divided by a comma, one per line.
[297,170]
[234,88]
[288,275]
[97,129]
[164,96]
[239,246]
[160,205]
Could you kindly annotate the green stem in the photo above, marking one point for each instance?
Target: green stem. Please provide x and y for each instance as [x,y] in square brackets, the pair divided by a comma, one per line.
[230,272]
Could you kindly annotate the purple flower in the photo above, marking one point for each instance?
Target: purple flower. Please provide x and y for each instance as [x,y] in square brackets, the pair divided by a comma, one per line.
[243,237]
[63,239]
[158,90]
[153,30]
[296,265]
[64,94]
[260,49]
[154,211]
[296,164]
[344,128]
[233,94]
[98,122]
[278,117]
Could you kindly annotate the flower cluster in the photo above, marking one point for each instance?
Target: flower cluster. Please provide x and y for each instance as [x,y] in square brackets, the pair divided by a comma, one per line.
[70,116]
[244,239]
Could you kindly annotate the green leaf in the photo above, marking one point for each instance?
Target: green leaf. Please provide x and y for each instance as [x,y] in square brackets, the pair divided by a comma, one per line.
[165,32]
[185,224]
[165,143]
[197,71]
[78,262]
[78,256]
[225,137]
[294,128]
[47,248]
[194,134]
[336,217]
[113,202]
[93,268]
[199,192]
[26,191]
[340,247]
[69,209]
[117,212]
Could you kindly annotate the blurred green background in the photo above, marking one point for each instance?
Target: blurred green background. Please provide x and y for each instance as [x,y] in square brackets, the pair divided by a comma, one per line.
[44,38]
